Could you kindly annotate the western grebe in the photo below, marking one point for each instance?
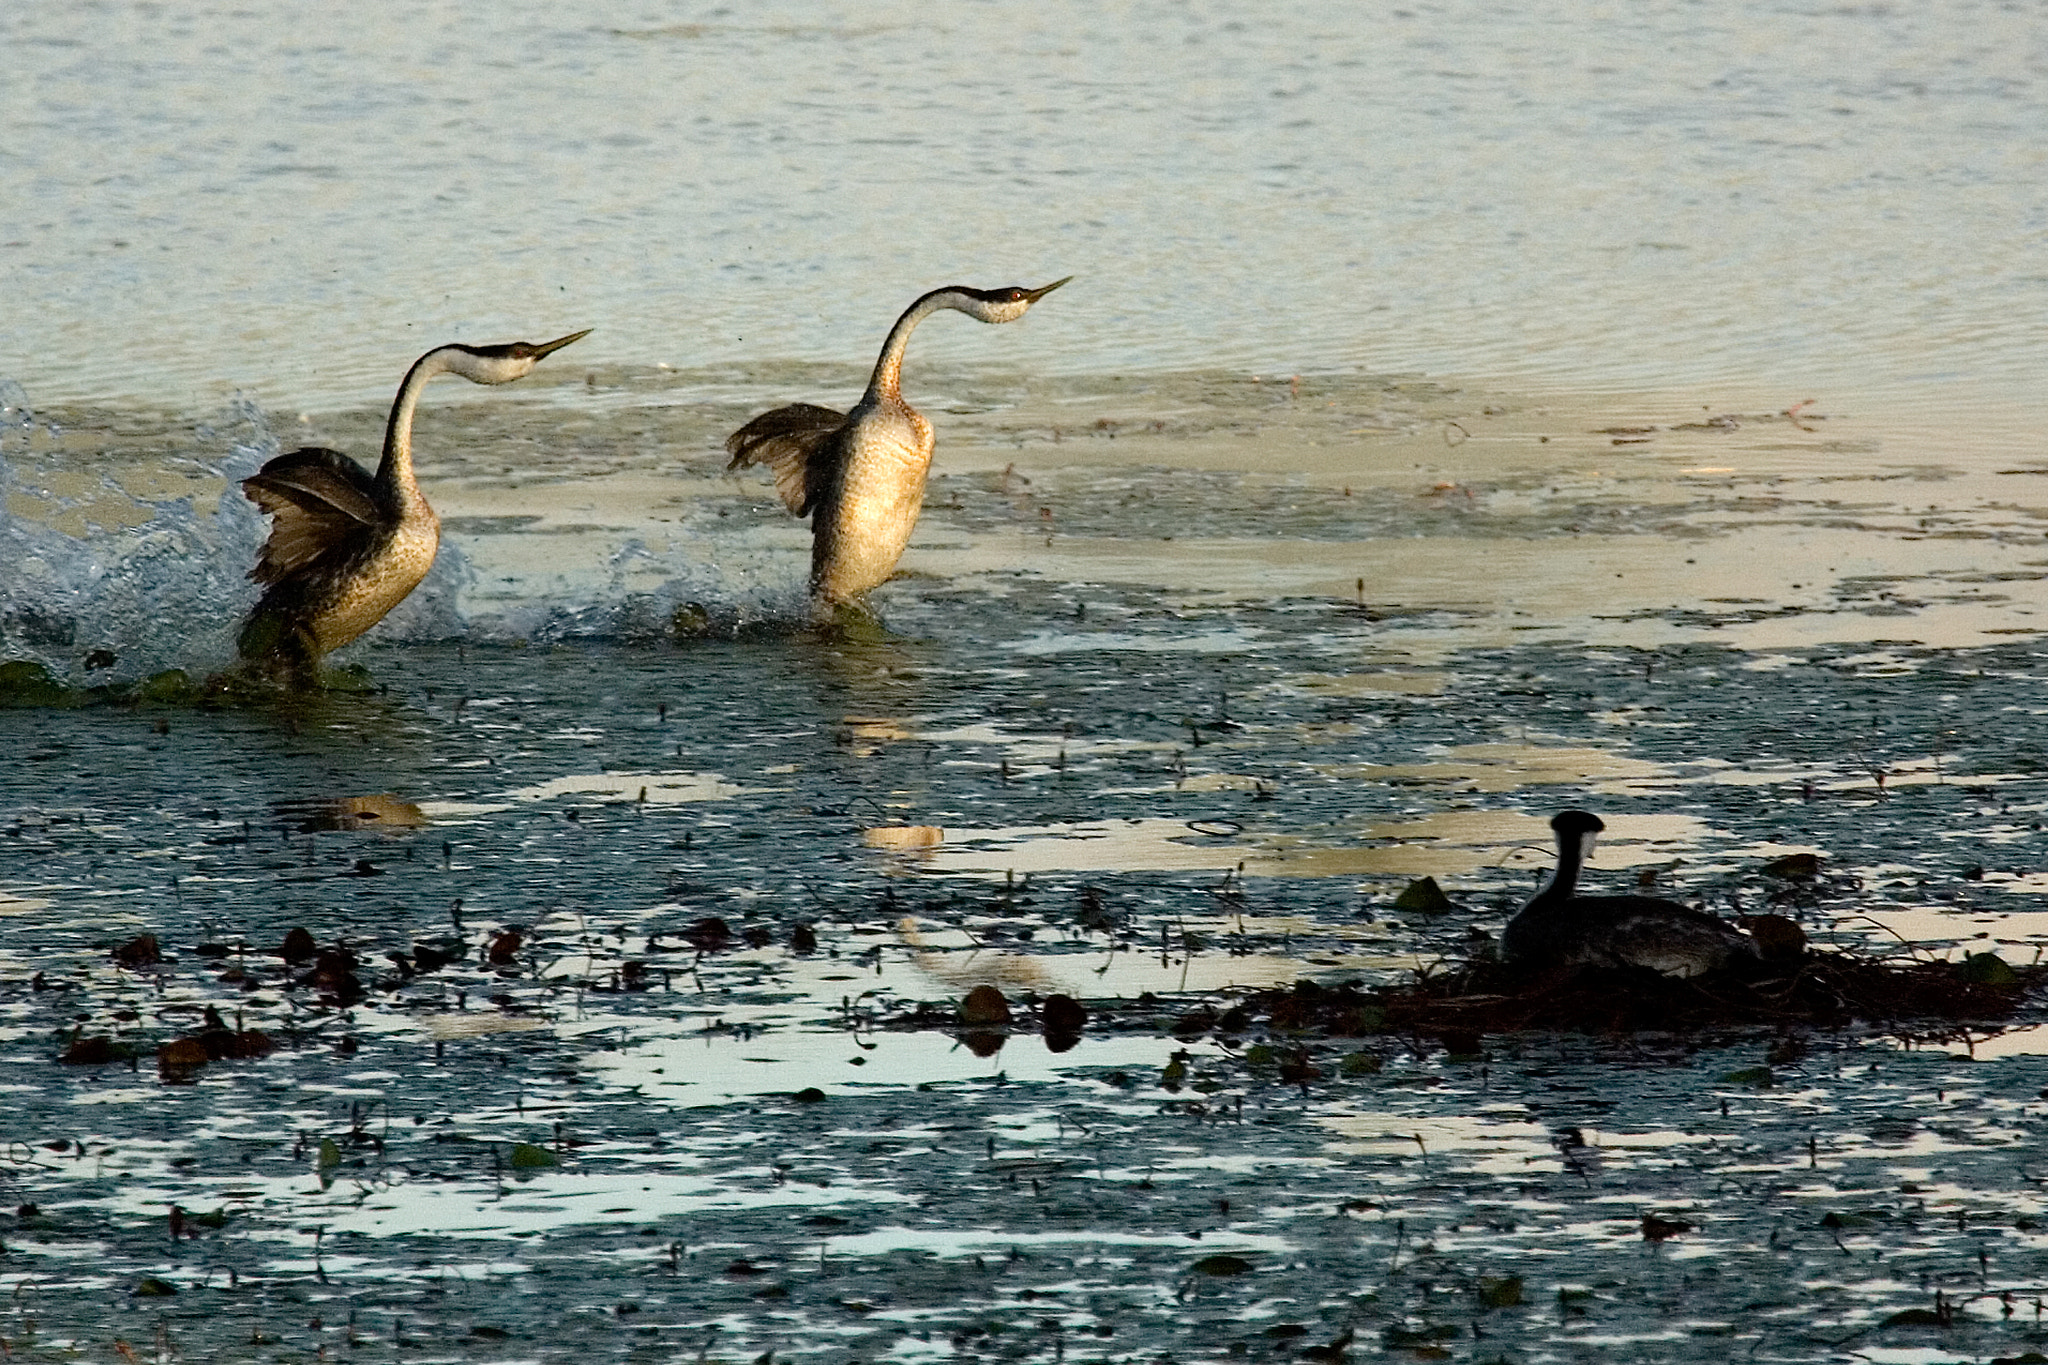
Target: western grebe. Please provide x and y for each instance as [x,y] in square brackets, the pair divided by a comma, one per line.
[1560,928]
[347,546]
[860,475]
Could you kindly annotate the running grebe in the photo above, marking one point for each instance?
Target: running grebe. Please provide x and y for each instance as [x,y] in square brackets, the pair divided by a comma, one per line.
[1560,928]
[860,475]
[346,547]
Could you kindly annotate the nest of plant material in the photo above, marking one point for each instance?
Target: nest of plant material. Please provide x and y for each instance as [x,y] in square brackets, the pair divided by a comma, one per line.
[1919,999]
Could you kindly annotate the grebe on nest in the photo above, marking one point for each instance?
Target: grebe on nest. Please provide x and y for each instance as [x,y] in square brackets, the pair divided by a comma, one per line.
[1560,928]
[860,475]
[345,546]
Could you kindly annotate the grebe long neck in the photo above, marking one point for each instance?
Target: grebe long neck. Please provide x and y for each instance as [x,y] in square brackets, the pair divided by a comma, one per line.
[887,381]
[1571,860]
[395,472]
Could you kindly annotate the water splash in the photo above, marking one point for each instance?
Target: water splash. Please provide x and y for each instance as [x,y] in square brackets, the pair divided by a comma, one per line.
[100,583]
[162,589]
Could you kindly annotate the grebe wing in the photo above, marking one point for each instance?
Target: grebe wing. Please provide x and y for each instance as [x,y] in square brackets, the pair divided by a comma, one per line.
[796,442]
[1671,938]
[319,501]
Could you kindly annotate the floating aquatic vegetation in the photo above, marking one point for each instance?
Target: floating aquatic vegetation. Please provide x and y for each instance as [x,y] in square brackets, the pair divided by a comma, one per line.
[1918,999]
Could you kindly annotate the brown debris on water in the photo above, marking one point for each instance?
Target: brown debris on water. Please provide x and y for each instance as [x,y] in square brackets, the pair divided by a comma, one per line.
[1063,1018]
[985,1005]
[298,946]
[709,935]
[227,1044]
[177,1060]
[97,1050]
[334,977]
[141,951]
[1657,1229]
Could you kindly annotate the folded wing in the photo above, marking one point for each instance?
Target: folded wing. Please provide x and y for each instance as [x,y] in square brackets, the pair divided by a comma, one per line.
[797,443]
[321,504]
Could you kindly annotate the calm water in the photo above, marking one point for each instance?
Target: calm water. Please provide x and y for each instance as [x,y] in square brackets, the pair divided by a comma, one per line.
[1421,449]
[208,199]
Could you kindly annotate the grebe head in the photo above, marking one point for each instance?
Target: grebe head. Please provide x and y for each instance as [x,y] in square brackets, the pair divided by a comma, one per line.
[1577,825]
[1000,305]
[503,364]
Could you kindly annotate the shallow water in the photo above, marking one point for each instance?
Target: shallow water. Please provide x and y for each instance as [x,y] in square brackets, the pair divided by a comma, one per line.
[1422,450]
[1131,725]
[928,1199]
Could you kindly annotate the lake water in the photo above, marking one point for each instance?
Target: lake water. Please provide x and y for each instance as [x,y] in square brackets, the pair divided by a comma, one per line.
[1457,415]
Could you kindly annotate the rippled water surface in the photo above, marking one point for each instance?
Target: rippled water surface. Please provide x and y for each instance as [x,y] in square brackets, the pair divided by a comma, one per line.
[1459,415]
[209,199]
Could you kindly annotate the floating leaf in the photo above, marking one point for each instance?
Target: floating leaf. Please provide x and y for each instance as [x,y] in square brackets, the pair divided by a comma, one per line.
[98,1050]
[1755,1077]
[1505,1292]
[985,1005]
[1222,1265]
[330,1155]
[527,1157]
[1425,896]
[1063,1014]
[150,1287]
[178,1059]
[1987,969]
[1361,1064]
[810,1094]
[1794,867]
